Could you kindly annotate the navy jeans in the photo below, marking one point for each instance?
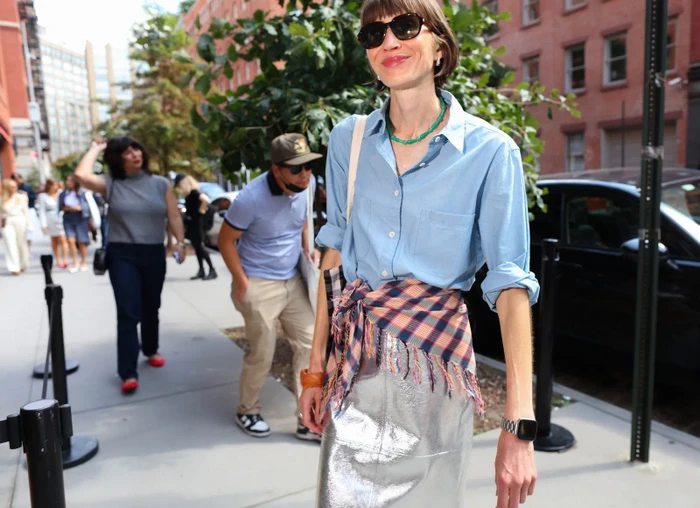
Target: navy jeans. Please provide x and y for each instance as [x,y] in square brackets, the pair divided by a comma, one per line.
[137,273]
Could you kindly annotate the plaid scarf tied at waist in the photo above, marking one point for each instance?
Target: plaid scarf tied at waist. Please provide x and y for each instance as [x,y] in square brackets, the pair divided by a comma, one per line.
[418,319]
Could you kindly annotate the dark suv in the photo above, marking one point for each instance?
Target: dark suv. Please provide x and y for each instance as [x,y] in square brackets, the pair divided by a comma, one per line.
[595,217]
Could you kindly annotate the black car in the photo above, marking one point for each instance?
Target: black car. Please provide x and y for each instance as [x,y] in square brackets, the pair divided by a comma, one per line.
[595,217]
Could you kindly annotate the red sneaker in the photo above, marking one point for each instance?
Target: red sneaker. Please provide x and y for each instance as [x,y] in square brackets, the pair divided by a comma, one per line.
[156,360]
[129,386]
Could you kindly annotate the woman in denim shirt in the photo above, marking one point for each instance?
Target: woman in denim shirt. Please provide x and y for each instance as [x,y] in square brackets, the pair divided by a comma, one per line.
[438,193]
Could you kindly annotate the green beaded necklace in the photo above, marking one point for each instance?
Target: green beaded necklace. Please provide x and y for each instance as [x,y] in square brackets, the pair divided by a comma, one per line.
[443,108]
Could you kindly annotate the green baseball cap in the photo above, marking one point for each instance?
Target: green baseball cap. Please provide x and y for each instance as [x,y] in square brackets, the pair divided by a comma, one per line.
[292,149]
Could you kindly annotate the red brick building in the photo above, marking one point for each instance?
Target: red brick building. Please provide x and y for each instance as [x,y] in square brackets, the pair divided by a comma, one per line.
[14,109]
[230,10]
[595,49]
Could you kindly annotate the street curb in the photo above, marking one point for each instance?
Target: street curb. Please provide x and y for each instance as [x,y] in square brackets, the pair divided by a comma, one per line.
[605,407]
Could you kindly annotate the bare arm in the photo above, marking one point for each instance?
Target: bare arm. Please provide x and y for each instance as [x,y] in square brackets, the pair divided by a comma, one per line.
[516,329]
[174,218]
[516,473]
[84,172]
[203,203]
[228,236]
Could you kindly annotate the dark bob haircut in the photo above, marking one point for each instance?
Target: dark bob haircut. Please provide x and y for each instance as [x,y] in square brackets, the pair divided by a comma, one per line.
[430,10]
[113,155]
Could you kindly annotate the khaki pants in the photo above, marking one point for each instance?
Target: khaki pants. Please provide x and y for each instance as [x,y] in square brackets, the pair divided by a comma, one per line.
[264,303]
[16,249]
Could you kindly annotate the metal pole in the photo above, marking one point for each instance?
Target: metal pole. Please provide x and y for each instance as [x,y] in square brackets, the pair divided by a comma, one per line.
[32,100]
[54,295]
[622,155]
[650,228]
[41,433]
[550,437]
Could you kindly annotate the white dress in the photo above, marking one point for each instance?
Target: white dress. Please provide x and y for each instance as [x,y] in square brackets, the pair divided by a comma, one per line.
[15,213]
[50,216]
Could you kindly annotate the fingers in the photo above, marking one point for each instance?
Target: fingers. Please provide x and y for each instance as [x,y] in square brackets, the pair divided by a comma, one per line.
[523,493]
[531,489]
[502,493]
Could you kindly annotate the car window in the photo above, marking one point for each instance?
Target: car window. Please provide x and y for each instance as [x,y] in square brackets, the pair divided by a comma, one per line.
[601,222]
[546,224]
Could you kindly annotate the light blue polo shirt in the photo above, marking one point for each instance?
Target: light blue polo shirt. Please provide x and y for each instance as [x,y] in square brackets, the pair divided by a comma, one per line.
[272,222]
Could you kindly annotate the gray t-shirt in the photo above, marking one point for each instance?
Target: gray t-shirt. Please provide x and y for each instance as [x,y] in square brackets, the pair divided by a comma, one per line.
[137,209]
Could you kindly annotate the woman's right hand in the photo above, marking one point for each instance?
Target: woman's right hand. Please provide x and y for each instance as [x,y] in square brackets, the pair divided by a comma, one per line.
[98,145]
[310,402]
[241,289]
[45,230]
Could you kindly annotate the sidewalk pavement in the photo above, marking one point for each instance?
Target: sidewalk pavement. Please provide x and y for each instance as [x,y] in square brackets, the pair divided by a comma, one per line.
[174,443]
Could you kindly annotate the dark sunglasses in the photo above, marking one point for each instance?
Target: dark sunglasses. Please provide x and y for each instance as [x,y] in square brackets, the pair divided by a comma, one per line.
[404,27]
[295,170]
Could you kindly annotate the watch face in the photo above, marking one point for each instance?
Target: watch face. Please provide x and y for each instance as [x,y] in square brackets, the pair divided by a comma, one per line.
[527,429]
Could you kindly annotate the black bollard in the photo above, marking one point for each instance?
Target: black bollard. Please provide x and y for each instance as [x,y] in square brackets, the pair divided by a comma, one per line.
[77,449]
[71,365]
[47,265]
[550,437]
[41,435]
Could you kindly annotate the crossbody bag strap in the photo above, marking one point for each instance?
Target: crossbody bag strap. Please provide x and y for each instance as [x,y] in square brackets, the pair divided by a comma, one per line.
[357,134]
[310,218]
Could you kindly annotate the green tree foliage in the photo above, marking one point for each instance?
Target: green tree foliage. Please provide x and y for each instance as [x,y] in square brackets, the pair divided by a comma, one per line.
[315,74]
[159,114]
[66,166]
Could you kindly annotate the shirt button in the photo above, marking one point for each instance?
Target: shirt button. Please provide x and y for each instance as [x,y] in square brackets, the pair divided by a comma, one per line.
[385,273]
[437,138]
[392,234]
[396,192]
[421,165]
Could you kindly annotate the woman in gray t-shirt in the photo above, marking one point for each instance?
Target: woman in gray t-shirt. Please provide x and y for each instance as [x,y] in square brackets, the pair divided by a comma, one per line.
[139,204]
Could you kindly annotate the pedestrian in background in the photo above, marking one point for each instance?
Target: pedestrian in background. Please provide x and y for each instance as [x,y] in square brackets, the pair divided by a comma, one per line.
[74,204]
[438,193]
[196,204]
[14,219]
[268,219]
[139,204]
[51,218]
[33,231]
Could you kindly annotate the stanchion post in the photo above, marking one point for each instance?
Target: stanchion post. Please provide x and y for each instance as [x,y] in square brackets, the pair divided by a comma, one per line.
[78,449]
[41,433]
[54,297]
[47,265]
[550,437]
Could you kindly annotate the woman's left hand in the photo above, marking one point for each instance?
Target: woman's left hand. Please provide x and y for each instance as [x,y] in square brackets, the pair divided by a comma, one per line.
[516,473]
[179,249]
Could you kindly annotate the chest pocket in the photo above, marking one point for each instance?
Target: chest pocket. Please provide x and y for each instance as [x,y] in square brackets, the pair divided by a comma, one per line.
[442,244]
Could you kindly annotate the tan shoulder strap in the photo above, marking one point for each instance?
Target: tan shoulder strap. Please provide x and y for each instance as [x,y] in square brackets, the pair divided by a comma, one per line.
[357,135]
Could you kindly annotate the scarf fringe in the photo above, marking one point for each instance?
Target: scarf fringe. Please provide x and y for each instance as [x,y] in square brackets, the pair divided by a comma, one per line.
[455,377]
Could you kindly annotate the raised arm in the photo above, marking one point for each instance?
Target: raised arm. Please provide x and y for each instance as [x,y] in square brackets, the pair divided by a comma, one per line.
[84,172]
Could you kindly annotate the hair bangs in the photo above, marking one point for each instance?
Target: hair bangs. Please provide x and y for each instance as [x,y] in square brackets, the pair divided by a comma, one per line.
[374,10]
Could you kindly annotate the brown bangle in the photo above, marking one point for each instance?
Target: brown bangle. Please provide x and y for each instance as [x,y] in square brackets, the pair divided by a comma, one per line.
[311,380]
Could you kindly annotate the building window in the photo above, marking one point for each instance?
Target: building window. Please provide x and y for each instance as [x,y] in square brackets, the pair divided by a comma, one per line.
[573,4]
[576,68]
[247,73]
[575,152]
[492,7]
[531,12]
[671,45]
[615,59]
[531,69]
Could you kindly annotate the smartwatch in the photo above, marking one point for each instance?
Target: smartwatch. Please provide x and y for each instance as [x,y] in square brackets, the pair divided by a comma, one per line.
[524,429]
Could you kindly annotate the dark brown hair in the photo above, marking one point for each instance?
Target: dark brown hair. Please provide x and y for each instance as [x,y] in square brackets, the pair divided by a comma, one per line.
[113,155]
[49,183]
[435,19]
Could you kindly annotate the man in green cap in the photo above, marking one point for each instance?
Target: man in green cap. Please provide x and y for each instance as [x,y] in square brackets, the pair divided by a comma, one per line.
[268,220]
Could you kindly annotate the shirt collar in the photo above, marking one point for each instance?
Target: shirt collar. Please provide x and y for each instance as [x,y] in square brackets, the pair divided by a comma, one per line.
[454,131]
[275,188]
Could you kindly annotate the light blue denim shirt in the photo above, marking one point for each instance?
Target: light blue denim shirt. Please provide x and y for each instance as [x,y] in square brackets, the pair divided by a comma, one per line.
[462,205]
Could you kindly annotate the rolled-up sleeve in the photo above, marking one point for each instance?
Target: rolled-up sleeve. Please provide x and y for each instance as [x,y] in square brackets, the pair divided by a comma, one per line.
[504,228]
[332,233]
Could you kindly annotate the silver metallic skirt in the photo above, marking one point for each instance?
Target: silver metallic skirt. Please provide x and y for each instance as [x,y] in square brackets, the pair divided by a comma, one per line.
[396,443]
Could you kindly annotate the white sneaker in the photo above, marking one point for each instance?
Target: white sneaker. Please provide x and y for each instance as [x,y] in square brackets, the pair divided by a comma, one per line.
[253,425]
[72,269]
[83,268]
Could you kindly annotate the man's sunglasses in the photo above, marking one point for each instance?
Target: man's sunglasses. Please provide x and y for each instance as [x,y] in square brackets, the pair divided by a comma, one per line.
[295,170]
[404,27]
